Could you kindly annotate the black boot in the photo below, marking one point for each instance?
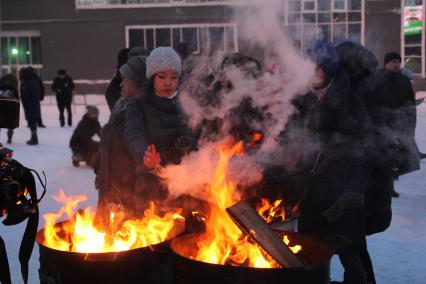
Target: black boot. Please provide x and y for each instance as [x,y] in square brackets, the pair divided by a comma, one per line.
[69,121]
[34,138]
[9,138]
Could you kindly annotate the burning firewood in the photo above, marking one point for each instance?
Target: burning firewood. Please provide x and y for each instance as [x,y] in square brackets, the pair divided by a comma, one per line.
[253,225]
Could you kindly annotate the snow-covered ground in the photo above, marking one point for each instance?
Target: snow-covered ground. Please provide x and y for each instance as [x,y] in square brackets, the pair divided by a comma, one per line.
[398,254]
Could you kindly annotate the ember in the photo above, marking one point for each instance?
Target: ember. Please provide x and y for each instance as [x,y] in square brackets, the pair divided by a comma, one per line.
[80,234]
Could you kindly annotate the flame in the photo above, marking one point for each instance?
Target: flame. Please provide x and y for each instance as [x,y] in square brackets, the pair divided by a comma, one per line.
[81,235]
[257,137]
[270,212]
[223,242]
[295,249]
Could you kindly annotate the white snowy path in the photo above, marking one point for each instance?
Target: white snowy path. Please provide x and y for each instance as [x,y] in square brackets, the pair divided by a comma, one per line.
[398,254]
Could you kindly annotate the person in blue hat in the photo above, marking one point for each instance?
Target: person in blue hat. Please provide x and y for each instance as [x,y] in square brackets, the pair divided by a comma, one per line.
[326,138]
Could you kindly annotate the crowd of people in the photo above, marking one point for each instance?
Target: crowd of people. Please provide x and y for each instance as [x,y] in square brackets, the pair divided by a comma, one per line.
[362,120]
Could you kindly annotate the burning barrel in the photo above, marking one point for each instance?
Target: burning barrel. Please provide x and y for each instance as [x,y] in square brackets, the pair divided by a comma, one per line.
[150,264]
[315,254]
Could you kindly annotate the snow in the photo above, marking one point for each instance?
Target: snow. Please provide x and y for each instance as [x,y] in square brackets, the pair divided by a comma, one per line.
[398,254]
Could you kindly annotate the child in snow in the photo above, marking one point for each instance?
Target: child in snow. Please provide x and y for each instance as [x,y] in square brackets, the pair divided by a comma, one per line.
[81,143]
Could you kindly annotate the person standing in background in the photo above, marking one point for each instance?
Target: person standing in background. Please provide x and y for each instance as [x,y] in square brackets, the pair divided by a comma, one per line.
[63,87]
[30,97]
[42,93]
[9,90]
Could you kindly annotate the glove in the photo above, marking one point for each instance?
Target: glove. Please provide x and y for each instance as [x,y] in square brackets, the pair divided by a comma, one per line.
[348,200]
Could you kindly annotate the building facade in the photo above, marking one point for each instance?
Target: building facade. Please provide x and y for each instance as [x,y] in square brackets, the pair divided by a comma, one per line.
[84,36]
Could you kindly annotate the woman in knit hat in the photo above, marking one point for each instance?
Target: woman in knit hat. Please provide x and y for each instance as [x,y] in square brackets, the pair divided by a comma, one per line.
[115,169]
[155,131]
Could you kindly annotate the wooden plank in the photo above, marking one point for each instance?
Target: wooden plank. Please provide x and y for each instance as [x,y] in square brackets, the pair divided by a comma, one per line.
[253,225]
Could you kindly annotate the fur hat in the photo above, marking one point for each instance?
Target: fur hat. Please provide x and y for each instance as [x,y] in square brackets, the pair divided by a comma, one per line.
[135,70]
[324,55]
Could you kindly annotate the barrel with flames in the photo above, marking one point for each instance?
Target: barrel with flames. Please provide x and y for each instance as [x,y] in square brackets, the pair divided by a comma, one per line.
[126,251]
[223,254]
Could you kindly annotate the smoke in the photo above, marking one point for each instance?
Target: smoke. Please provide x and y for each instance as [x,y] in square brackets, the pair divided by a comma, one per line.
[266,96]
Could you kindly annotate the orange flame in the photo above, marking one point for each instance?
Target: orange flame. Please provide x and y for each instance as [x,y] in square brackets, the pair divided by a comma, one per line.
[81,235]
[224,243]
[270,212]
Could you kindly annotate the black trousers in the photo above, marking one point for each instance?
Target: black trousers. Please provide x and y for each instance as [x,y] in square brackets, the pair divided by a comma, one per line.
[64,104]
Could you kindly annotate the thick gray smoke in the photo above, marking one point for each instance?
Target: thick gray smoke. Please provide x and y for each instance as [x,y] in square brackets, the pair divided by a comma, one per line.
[285,73]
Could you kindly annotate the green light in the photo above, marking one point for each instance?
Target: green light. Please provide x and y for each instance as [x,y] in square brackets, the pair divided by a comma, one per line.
[14,51]
[28,52]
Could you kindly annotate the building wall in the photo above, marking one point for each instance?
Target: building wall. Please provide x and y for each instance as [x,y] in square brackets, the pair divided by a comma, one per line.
[86,42]
[383,27]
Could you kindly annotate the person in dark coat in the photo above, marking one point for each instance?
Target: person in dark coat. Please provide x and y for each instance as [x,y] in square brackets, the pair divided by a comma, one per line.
[155,131]
[113,91]
[115,169]
[361,66]
[82,145]
[42,93]
[30,97]
[326,139]
[391,104]
[63,87]
[9,90]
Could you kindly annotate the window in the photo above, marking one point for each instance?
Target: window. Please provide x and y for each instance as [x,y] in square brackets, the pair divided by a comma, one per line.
[21,49]
[332,19]
[200,38]
[309,5]
[100,4]
[339,5]
[413,43]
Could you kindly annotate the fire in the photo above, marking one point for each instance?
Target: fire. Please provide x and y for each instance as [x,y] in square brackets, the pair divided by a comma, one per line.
[295,249]
[270,212]
[224,243]
[81,235]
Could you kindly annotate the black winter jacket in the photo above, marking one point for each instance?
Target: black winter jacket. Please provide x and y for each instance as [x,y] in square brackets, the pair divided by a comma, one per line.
[331,137]
[63,87]
[116,173]
[30,95]
[390,101]
[151,119]
[113,91]
[82,137]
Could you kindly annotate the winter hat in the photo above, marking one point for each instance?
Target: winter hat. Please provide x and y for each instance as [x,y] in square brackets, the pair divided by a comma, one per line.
[137,50]
[358,61]
[162,59]
[391,56]
[122,57]
[135,70]
[324,55]
[92,110]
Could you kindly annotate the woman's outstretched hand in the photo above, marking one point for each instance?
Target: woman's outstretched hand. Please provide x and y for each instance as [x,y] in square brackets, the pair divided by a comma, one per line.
[151,158]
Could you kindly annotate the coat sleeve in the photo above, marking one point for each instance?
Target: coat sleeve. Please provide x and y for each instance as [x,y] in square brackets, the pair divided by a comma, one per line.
[71,84]
[42,90]
[410,106]
[135,134]
[54,85]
